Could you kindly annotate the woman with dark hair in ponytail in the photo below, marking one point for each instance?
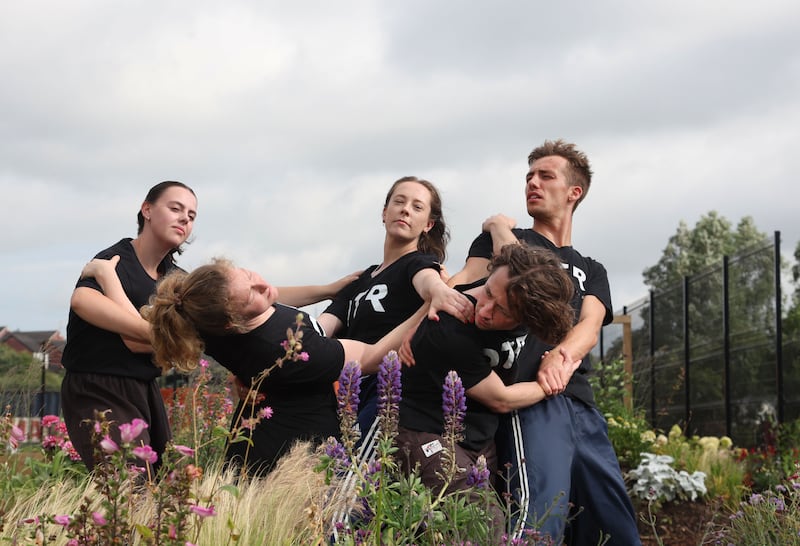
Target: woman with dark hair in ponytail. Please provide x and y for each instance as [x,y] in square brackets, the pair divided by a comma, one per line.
[108,353]
[388,293]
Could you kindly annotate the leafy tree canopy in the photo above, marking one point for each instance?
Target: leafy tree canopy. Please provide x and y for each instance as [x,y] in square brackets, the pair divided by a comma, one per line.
[691,251]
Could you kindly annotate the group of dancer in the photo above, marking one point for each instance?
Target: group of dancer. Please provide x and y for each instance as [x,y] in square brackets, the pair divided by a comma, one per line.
[516,323]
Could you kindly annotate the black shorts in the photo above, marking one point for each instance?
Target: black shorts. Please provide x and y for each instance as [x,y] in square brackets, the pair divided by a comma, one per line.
[127,399]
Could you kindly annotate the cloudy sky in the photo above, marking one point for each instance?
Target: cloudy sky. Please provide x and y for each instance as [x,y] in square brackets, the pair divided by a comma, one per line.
[291,121]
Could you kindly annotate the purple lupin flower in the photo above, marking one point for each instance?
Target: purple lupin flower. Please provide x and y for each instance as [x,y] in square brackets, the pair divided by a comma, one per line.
[336,451]
[454,406]
[347,397]
[389,394]
[478,475]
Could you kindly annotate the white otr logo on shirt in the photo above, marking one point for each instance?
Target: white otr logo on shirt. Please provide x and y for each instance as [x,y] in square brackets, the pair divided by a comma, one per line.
[507,355]
[374,295]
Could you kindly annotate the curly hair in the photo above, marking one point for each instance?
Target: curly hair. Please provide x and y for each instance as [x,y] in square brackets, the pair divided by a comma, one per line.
[435,240]
[186,306]
[539,290]
[579,172]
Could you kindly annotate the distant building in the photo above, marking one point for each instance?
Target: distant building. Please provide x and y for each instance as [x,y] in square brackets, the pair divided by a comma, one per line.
[46,345]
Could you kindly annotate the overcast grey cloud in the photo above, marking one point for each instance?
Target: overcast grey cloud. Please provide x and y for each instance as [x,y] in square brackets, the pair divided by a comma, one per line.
[291,121]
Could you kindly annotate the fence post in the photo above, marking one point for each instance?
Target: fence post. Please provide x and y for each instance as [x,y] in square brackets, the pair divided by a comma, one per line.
[627,356]
[779,328]
[686,356]
[652,359]
[726,344]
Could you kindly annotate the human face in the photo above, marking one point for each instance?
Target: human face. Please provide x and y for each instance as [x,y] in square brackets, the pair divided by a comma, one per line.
[491,310]
[250,293]
[408,213]
[171,216]
[547,189]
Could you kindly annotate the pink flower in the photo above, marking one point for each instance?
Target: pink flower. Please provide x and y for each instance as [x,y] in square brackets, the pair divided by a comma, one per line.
[172,533]
[130,431]
[265,412]
[249,424]
[202,511]
[63,520]
[184,450]
[108,445]
[50,420]
[70,450]
[17,437]
[50,442]
[73,542]
[203,363]
[146,454]
[98,519]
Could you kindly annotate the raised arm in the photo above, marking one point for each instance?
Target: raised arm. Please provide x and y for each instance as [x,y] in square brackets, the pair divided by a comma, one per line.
[499,227]
[370,356]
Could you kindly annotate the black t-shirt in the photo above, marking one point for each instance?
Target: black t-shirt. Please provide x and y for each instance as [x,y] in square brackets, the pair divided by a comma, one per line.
[589,277]
[370,307]
[446,345]
[90,349]
[300,393]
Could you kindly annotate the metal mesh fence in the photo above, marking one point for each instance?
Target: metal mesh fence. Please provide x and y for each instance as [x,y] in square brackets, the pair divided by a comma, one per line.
[705,352]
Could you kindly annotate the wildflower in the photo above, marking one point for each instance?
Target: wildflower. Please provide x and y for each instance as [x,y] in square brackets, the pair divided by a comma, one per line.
[17,437]
[146,454]
[184,450]
[389,397]
[203,363]
[99,519]
[63,520]
[249,423]
[454,406]
[347,398]
[51,442]
[336,451]
[202,511]
[70,450]
[478,475]
[755,499]
[50,420]
[193,472]
[130,431]
[265,412]
[108,445]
